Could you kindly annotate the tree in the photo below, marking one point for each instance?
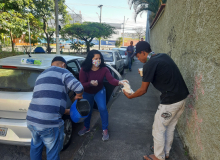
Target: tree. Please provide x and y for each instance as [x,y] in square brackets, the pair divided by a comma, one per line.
[13,17]
[87,31]
[139,32]
[45,11]
[141,6]
[118,42]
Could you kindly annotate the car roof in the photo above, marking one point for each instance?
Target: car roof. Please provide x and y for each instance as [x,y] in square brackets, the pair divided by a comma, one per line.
[106,51]
[122,49]
[45,58]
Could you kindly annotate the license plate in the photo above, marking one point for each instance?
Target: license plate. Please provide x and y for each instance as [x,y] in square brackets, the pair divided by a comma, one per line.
[3,131]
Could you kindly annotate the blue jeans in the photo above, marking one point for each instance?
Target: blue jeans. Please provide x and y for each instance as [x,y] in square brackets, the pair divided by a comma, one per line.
[129,62]
[100,99]
[52,138]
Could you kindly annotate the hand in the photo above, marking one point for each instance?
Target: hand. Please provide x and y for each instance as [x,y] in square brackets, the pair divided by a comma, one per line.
[139,72]
[127,94]
[123,81]
[94,82]
[67,111]
[78,96]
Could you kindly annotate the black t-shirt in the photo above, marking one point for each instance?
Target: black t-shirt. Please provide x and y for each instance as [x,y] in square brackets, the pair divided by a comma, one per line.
[164,74]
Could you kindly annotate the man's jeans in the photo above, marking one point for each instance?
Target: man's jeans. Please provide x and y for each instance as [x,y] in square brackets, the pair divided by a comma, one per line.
[52,138]
[129,63]
[100,99]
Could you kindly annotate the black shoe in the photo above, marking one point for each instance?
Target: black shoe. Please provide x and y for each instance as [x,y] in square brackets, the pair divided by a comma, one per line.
[130,70]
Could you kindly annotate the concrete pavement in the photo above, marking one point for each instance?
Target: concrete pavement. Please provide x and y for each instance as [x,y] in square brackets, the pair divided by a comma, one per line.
[130,128]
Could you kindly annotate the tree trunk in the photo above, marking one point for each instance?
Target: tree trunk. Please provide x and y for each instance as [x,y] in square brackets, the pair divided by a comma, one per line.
[87,46]
[48,38]
[12,44]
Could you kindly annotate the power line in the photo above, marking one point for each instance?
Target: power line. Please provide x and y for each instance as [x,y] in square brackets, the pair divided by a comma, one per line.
[74,12]
[97,5]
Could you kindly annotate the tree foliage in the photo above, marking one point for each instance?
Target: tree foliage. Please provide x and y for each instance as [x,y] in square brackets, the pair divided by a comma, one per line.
[141,6]
[87,31]
[14,17]
[118,42]
[45,11]
[139,32]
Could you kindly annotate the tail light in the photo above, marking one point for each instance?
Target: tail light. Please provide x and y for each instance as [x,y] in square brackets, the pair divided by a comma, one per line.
[126,53]
[8,67]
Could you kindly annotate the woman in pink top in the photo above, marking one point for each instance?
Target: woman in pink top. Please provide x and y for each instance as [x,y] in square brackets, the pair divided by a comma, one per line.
[91,76]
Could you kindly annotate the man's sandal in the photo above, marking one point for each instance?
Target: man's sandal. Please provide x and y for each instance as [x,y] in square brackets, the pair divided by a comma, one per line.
[152,149]
[147,158]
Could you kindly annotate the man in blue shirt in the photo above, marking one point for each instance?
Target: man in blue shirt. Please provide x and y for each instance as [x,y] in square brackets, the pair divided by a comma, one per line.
[130,51]
[48,104]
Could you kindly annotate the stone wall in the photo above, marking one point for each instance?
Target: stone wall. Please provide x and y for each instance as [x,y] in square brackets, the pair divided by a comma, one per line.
[189,31]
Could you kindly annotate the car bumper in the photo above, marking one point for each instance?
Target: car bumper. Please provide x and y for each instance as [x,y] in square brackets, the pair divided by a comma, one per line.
[17,132]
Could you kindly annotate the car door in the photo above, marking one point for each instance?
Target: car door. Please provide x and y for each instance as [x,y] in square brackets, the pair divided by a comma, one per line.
[117,61]
[121,61]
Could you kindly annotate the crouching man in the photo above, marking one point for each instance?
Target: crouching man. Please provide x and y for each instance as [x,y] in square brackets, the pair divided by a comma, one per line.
[163,73]
[44,116]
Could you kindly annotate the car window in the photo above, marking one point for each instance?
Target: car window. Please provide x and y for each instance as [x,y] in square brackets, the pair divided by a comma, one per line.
[117,56]
[81,61]
[108,56]
[122,52]
[74,66]
[18,80]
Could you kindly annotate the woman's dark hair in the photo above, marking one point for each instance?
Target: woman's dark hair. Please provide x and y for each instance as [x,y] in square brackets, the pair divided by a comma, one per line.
[87,63]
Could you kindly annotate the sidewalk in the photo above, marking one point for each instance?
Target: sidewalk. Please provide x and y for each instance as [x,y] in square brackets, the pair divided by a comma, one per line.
[130,128]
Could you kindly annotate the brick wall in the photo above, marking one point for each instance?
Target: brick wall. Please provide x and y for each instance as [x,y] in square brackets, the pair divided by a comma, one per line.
[189,31]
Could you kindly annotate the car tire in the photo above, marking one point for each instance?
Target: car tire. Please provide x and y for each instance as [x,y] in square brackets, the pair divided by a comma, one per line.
[68,129]
[122,72]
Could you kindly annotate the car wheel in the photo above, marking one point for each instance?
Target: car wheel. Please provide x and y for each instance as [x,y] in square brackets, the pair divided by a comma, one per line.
[68,129]
[122,72]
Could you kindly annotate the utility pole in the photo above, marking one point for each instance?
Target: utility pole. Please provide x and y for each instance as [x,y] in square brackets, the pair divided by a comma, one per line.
[57,28]
[123,31]
[29,34]
[100,6]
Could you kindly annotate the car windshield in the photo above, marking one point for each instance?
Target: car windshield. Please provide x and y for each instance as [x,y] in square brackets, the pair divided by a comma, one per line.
[18,80]
[122,53]
[108,56]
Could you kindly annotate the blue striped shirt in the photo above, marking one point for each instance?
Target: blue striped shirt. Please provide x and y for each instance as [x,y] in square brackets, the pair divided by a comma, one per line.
[49,99]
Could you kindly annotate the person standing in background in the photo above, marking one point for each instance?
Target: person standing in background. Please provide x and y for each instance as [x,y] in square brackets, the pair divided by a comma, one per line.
[130,50]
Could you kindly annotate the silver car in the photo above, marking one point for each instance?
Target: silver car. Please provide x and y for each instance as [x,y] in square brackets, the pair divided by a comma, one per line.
[113,58]
[16,89]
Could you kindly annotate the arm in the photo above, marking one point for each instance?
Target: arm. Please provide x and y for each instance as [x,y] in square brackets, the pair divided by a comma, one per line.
[141,91]
[84,79]
[72,83]
[110,78]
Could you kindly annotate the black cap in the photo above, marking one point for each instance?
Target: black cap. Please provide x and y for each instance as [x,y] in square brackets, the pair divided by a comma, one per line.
[59,58]
[143,46]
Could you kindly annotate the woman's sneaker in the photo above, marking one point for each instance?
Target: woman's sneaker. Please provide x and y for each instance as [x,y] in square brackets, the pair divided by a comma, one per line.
[105,134]
[83,131]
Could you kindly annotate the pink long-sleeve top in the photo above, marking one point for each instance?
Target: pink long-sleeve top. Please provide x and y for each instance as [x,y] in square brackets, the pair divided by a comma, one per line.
[86,77]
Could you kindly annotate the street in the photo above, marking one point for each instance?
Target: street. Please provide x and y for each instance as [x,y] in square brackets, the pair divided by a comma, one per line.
[130,130]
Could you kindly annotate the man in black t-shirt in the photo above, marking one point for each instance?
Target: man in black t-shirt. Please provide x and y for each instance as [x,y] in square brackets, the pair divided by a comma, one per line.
[163,73]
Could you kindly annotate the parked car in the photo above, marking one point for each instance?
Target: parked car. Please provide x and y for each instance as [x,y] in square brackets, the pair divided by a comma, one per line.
[124,47]
[16,89]
[124,54]
[113,58]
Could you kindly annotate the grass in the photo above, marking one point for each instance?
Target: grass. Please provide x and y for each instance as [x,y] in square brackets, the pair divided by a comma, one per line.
[4,54]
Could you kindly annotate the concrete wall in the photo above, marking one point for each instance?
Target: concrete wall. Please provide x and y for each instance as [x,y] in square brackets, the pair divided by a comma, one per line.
[189,31]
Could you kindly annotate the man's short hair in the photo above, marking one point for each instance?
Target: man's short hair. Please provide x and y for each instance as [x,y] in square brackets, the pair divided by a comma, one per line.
[143,46]
[59,58]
